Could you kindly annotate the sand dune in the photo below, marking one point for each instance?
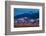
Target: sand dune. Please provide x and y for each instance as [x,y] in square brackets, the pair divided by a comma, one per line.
[26,25]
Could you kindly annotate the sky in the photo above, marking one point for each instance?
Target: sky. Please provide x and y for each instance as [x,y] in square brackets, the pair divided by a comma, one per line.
[19,11]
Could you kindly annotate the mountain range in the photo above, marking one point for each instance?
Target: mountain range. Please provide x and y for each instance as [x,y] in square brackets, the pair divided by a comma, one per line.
[28,15]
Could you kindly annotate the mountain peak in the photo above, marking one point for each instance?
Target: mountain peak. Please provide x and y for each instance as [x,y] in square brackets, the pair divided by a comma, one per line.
[27,15]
